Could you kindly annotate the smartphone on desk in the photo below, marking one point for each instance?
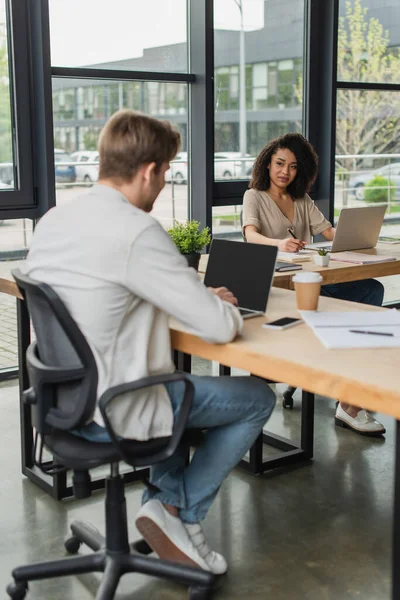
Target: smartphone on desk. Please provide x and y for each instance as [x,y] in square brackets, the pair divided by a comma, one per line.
[283,323]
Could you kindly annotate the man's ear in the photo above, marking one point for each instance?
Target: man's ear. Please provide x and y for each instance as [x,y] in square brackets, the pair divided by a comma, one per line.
[148,171]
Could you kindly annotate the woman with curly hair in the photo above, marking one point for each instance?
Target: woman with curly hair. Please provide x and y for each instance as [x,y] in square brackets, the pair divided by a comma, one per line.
[278,205]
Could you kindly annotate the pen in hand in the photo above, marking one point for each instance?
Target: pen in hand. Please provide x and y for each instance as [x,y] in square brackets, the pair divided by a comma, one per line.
[297,239]
[371,332]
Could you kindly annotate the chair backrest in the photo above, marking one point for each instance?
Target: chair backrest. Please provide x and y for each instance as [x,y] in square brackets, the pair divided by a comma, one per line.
[61,366]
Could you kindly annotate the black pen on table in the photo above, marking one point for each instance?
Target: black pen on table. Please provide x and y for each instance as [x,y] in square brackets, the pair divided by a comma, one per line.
[371,332]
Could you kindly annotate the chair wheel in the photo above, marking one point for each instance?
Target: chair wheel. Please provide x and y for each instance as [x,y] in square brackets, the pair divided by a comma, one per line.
[199,593]
[287,402]
[72,544]
[17,590]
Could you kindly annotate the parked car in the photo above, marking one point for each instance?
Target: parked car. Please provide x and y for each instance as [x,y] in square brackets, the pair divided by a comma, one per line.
[7,172]
[390,172]
[65,173]
[178,172]
[86,171]
[228,165]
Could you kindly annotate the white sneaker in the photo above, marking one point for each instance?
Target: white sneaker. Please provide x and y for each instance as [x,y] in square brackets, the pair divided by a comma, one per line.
[363,423]
[215,561]
[167,536]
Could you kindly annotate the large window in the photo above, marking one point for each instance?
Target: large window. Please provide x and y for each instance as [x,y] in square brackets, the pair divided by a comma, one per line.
[122,35]
[258,89]
[368,113]
[15,118]
[153,48]
[368,41]
[6,142]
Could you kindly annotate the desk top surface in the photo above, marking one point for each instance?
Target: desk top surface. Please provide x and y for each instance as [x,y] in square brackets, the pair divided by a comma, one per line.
[367,378]
[364,377]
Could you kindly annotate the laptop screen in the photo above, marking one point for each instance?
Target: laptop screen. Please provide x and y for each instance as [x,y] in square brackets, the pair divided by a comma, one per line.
[245,269]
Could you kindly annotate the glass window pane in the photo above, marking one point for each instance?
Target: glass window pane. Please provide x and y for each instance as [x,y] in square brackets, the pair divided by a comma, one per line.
[226,221]
[254,38]
[76,134]
[260,75]
[15,237]
[368,157]
[125,34]
[368,41]
[6,146]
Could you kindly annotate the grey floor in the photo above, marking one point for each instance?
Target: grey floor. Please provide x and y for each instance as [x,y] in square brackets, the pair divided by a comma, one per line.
[322,531]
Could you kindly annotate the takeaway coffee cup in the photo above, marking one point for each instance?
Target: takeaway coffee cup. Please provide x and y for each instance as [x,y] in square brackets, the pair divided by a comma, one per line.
[308,287]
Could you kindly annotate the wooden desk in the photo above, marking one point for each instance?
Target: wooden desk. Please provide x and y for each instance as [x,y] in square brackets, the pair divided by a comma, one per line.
[340,272]
[364,377]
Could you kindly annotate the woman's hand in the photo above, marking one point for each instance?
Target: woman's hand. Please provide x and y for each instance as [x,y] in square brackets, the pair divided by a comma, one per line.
[291,245]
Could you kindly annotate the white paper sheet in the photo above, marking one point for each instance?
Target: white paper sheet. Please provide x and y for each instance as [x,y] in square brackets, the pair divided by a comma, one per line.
[333,328]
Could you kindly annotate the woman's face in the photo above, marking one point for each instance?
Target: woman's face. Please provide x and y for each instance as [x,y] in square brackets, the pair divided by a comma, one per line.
[282,168]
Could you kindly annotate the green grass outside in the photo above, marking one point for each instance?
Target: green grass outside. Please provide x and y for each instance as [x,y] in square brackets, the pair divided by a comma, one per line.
[227,217]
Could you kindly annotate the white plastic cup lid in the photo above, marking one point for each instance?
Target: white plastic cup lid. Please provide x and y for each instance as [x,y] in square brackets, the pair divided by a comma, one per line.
[307,277]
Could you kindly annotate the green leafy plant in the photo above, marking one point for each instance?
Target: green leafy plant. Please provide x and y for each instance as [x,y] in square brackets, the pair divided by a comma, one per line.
[379,189]
[188,237]
[323,251]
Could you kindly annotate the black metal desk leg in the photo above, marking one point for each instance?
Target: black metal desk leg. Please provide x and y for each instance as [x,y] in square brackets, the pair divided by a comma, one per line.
[224,371]
[24,339]
[307,423]
[396,521]
[183,362]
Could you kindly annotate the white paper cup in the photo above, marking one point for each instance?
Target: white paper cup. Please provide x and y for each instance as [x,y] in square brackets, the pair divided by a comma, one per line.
[308,287]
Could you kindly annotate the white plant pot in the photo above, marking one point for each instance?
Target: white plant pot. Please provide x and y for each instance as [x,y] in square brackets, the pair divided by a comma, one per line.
[321,261]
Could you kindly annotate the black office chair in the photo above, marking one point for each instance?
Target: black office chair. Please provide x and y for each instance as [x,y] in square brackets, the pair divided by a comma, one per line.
[63,378]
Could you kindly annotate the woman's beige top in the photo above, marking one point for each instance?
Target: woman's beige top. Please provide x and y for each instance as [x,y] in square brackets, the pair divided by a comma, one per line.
[261,211]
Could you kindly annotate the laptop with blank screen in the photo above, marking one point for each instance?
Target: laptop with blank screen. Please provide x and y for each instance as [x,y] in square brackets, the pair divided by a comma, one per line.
[247,270]
[356,229]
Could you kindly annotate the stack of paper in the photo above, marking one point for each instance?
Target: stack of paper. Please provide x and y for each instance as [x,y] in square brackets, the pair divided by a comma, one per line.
[361,259]
[296,257]
[387,239]
[381,329]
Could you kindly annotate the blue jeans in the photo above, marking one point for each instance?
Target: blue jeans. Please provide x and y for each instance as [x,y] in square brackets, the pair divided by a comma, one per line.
[233,411]
[366,291]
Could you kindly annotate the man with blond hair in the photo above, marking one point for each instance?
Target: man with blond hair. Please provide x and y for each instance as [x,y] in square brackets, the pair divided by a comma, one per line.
[121,277]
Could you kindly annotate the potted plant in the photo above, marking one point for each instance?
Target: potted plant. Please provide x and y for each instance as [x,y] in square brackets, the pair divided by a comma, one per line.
[190,240]
[322,258]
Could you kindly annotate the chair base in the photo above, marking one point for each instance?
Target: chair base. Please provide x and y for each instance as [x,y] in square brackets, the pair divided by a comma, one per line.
[112,555]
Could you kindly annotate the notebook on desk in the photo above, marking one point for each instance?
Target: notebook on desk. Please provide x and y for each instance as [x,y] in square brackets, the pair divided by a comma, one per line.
[361,259]
[282,266]
[296,257]
[247,270]
[355,329]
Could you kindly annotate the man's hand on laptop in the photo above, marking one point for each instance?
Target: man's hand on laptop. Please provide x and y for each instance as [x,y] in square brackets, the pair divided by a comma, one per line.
[291,245]
[224,294]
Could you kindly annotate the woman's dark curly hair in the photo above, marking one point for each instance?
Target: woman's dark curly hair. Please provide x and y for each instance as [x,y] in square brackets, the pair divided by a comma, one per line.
[307,164]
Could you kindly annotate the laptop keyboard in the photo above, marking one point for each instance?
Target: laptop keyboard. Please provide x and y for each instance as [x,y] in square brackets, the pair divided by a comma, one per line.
[246,311]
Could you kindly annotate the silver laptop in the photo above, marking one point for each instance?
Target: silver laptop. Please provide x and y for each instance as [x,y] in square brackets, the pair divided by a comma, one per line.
[247,270]
[356,229]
